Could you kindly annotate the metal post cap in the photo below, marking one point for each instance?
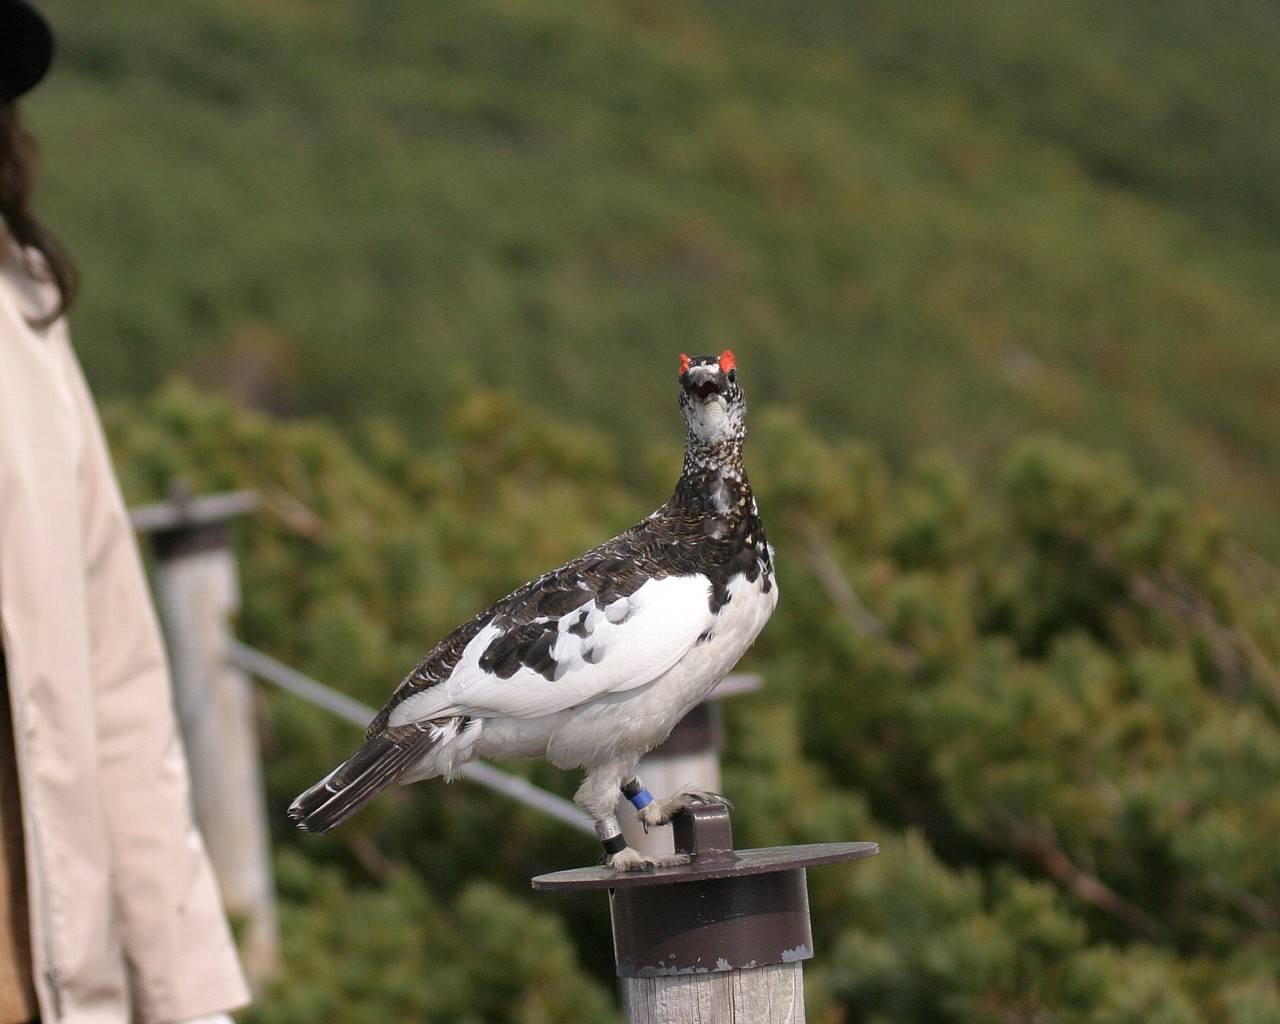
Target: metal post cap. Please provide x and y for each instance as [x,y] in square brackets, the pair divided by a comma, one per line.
[726,910]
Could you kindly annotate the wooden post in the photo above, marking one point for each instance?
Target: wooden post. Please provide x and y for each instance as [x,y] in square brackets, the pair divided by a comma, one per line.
[197,595]
[761,995]
[690,756]
[721,940]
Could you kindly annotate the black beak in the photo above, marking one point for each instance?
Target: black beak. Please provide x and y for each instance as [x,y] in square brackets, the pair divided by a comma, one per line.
[700,386]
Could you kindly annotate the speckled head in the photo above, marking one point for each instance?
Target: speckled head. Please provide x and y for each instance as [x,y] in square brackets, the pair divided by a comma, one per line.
[712,403]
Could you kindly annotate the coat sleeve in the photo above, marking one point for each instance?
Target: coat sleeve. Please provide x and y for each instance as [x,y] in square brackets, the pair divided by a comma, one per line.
[182,959]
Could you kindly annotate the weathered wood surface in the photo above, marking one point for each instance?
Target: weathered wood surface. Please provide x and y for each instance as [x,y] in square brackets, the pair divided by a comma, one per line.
[760,995]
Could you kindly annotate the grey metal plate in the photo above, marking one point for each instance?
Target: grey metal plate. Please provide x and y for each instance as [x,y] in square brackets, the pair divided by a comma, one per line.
[724,864]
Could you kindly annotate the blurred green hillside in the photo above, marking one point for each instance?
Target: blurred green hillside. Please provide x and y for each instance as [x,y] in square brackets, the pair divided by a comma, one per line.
[927,224]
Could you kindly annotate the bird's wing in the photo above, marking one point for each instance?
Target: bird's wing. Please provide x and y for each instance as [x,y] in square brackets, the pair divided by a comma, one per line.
[528,667]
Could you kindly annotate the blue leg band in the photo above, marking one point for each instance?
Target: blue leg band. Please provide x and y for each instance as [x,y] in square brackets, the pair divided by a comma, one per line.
[641,800]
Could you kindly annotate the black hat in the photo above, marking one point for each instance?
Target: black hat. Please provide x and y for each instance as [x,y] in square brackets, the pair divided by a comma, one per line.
[26,47]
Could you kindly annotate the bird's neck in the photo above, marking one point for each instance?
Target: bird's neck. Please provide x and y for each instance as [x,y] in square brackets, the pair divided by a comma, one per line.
[723,456]
[713,477]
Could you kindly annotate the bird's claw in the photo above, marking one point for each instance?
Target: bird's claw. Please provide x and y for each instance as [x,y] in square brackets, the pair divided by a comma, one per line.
[660,813]
[628,860]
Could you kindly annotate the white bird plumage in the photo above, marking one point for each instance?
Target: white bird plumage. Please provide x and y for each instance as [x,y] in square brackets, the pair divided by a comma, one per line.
[624,645]
[592,664]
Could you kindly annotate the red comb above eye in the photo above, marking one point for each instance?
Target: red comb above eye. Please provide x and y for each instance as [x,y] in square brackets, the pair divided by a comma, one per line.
[684,364]
[726,361]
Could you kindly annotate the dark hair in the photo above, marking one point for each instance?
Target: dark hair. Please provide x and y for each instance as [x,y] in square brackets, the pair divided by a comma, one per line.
[17,180]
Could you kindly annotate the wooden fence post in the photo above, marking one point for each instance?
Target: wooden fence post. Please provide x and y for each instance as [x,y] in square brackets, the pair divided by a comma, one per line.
[721,940]
[197,595]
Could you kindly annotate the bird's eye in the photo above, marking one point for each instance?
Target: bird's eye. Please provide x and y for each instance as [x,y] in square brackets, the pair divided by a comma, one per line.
[733,375]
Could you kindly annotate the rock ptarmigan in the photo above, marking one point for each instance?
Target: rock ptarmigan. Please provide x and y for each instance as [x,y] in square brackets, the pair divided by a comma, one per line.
[594,663]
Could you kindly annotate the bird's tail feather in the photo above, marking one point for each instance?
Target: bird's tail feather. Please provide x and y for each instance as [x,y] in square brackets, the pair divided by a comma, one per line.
[376,765]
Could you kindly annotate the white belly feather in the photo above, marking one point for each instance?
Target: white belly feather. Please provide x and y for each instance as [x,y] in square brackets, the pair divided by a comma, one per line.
[637,720]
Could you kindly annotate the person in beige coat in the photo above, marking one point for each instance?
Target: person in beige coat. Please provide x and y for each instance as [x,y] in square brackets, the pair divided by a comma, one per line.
[109,912]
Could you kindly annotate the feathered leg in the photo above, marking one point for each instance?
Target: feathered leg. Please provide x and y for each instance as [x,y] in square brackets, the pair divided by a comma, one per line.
[598,796]
[656,813]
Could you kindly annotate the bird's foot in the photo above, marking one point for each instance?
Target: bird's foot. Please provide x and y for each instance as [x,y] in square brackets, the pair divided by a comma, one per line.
[629,859]
[660,812]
